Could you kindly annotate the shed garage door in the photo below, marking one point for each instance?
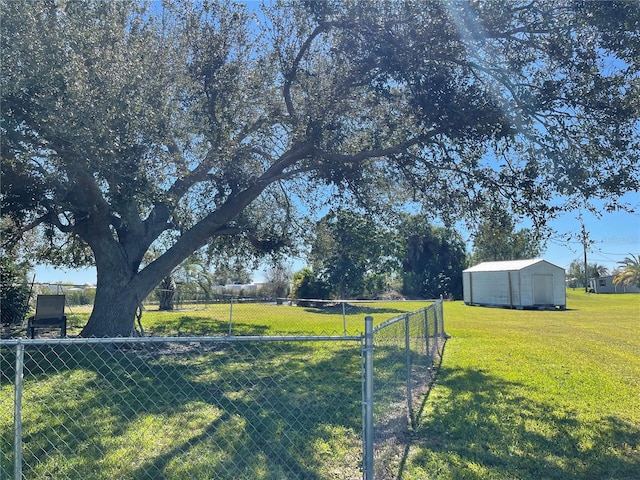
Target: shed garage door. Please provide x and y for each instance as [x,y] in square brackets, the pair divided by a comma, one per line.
[542,289]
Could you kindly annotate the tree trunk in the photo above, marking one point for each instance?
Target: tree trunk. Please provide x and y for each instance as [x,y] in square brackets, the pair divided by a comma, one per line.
[121,286]
[114,310]
[167,294]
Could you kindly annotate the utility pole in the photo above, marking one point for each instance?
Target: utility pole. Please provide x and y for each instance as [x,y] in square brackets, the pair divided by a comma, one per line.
[584,245]
[586,242]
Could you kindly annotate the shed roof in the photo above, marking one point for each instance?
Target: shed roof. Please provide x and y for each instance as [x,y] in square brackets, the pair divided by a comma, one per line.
[506,266]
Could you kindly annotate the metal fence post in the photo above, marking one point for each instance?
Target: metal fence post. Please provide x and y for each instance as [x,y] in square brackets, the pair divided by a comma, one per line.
[443,334]
[407,349]
[367,401]
[426,334]
[344,320]
[440,307]
[436,331]
[17,412]
[230,315]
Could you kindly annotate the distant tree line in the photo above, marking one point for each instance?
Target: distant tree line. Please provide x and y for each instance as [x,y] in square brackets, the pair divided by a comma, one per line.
[354,256]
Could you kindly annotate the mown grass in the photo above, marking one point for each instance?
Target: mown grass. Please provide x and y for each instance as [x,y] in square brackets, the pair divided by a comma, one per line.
[242,410]
[535,394]
[258,318]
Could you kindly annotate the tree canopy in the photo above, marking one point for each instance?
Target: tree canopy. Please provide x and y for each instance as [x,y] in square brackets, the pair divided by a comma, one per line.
[353,255]
[127,124]
[432,259]
[349,251]
[496,238]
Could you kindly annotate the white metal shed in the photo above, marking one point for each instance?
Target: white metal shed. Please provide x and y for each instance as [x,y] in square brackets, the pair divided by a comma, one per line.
[533,283]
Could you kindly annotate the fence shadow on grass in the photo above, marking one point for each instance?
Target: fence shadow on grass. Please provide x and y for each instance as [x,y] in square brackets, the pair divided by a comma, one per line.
[483,427]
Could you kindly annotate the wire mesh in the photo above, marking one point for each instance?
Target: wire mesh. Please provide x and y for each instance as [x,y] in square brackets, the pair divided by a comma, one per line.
[185,409]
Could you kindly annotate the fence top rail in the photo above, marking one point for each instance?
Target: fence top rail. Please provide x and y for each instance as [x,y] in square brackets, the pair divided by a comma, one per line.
[227,339]
[402,316]
[391,321]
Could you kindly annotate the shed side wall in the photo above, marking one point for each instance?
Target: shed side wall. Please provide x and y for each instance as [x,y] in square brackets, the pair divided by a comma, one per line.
[489,288]
[467,292]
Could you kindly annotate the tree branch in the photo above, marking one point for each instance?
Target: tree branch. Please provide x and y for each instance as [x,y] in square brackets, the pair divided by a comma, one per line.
[290,76]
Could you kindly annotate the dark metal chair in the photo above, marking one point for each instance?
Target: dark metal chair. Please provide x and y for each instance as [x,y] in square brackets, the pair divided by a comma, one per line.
[49,314]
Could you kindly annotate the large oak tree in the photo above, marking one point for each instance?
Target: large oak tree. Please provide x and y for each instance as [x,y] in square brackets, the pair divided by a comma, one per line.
[129,124]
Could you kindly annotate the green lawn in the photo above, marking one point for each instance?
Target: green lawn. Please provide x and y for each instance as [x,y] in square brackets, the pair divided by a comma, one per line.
[519,395]
[259,318]
[535,394]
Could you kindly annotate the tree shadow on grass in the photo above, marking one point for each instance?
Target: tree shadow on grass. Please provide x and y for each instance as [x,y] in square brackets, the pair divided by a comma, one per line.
[336,309]
[481,427]
[200,410]
[197,326]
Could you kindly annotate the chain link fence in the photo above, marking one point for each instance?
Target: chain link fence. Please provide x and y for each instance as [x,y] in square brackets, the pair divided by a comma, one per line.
[219,314]
[407,348]
[272,407]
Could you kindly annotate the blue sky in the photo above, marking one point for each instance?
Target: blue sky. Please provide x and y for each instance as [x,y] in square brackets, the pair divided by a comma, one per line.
[614,236]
